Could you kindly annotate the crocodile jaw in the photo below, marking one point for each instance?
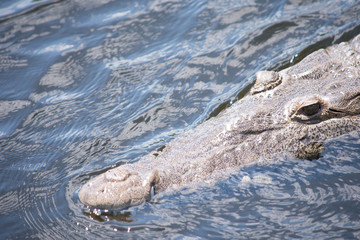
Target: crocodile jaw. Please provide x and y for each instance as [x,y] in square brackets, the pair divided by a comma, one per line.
[117,188]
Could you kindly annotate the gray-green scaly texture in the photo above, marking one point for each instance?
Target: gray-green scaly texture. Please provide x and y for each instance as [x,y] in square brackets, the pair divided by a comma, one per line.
[293,111]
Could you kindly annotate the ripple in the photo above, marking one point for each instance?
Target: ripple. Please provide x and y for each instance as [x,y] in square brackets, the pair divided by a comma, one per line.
[91,85]
[9,202]
[21,7]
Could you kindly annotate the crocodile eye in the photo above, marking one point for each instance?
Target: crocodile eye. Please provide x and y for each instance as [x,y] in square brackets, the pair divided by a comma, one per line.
[311,109]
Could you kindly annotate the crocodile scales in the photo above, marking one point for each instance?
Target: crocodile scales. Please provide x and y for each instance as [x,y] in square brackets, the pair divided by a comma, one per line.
[292,111]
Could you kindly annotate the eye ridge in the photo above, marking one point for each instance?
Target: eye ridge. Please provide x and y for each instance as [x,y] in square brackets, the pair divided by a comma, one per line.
[311,110]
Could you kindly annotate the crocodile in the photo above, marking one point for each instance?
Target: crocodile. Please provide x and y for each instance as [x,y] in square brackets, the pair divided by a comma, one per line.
[293,111]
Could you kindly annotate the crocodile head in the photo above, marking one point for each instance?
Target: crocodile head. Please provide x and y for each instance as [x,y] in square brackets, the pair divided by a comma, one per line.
[292,111]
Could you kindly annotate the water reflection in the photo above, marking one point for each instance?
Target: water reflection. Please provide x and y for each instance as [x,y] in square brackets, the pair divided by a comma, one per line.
[87,85]
[9,9]
[105,216]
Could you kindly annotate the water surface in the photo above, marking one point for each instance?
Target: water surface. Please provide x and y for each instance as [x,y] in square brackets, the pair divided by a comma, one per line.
[89,85]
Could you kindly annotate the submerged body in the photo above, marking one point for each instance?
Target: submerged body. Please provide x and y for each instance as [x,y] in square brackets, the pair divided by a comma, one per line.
[293,112]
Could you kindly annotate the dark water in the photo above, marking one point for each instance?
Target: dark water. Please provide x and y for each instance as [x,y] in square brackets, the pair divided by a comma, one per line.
[86,85]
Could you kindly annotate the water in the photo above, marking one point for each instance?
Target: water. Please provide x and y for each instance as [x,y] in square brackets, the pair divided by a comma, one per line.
[88,85]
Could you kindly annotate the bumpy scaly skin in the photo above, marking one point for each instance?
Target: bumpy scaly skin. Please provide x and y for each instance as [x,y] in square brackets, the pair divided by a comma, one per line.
[119,187]
[293,111]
